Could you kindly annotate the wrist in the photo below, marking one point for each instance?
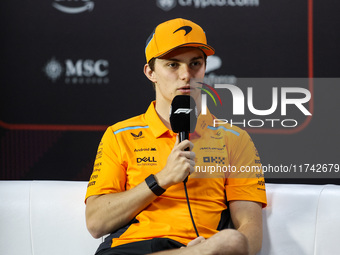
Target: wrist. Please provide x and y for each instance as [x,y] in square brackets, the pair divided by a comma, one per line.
[153,185]
[162,180]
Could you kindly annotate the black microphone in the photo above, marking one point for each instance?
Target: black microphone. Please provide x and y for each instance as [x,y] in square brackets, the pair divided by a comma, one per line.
[183,117]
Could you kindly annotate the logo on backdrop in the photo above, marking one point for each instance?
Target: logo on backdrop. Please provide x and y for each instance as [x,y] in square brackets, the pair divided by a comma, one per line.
[205,87]
[73,6]
[79,71]
[214,63]
[287,107]
[167,5]
[53,69]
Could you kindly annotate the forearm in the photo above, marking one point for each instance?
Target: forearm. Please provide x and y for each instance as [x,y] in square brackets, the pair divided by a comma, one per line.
[247,219]
[109,212]
[254,237]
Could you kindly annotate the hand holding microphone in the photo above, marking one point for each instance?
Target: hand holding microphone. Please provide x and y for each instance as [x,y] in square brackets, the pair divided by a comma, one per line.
[179,165]
[181,161]
[183,118]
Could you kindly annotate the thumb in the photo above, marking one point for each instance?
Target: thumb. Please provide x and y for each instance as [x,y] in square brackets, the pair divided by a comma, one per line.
[196,241]
[177,140]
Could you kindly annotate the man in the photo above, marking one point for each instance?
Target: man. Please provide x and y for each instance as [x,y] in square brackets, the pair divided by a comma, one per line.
[136,192]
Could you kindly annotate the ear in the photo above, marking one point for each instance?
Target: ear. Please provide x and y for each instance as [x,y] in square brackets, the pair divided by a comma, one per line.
[149,73]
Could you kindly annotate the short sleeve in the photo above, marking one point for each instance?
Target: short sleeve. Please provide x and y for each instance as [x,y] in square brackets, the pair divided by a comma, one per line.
[246,181]
[109,173]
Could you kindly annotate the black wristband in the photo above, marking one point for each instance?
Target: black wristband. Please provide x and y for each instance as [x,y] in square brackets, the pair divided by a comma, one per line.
[153,185]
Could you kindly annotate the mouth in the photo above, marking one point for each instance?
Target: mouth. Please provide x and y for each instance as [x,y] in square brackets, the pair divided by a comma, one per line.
[185,89]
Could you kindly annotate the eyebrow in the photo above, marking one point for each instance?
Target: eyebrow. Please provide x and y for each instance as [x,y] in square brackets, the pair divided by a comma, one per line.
[177,60]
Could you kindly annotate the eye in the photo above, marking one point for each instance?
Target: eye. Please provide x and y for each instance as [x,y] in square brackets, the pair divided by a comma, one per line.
[172,64]
[196,64]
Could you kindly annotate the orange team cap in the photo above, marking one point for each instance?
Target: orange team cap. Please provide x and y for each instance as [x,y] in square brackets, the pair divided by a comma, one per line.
[173,34]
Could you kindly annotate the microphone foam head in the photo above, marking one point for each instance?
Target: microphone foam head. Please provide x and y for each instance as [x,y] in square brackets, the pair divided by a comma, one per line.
[183,114]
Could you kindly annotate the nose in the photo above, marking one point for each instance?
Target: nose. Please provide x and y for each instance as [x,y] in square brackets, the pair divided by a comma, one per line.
[185,73]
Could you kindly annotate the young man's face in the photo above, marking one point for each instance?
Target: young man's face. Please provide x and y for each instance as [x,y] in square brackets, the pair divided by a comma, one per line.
[173,72]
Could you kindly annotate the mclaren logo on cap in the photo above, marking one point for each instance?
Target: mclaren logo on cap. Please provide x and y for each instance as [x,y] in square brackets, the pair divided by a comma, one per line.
[187,29]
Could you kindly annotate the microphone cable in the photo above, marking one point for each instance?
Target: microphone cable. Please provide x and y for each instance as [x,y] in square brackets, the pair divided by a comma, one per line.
[186,194]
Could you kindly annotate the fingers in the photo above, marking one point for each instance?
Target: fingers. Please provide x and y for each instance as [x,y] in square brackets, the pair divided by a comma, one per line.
[184,144]
[192,166]
[177,140]
[187,154]
[196,241]
[179,165]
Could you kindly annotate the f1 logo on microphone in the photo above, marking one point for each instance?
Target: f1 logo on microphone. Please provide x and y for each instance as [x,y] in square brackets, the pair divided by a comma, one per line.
[183,110]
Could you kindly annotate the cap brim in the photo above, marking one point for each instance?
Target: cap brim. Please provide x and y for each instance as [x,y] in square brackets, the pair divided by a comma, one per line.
[208,50]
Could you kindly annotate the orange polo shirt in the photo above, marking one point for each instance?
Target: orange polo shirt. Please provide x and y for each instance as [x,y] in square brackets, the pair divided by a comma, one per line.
[133,149]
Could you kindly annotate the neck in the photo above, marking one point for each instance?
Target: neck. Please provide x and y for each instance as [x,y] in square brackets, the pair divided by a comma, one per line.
[163,111]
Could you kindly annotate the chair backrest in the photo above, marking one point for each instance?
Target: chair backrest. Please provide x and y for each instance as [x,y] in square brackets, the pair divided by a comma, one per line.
[301,219]
[48,217]
[44,217]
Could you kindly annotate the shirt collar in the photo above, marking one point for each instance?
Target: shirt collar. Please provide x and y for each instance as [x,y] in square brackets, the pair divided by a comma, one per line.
[154,122]
[202,123]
